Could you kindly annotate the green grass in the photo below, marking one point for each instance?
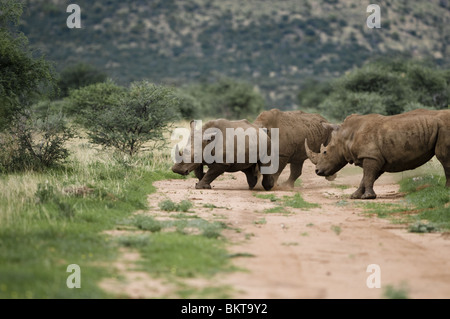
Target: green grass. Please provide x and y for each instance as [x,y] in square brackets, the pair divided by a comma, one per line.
[336,229]
[271,197]
[425,208]
[391,292]
[174,254]
[170,206]
[277,210]
[50,230]
[57,217]
[297,201]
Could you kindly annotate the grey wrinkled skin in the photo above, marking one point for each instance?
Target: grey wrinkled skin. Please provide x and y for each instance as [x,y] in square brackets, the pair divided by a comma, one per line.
[381,144]
[294,127]
[251,170]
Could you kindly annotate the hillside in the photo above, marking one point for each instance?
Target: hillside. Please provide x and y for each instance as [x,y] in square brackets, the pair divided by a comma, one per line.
[275,45]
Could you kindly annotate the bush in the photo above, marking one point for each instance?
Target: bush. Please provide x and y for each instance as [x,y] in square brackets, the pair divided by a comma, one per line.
[386,87]
[125,119]
[78,76]
[23,78]
[189,107]
[228,98]
[170,206]
[94,98]
[34,141]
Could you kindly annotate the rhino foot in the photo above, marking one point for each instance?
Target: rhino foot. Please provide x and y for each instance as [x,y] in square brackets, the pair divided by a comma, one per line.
[356,195]
[369,196]
[202,186]
[287,184]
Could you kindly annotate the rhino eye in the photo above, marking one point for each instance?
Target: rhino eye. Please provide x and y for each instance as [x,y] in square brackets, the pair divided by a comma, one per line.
[324,152]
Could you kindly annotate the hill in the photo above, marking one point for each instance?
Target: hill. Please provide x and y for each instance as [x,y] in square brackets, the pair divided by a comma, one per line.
[276,45]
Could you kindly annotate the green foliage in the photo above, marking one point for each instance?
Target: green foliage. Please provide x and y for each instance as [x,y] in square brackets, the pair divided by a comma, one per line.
[171,254]
[312,93]
[23,77]
[78,76]
[147,223]
[228,98]
[391,292]
[125,119]
[44,228]
[170,206]
[33,141]
[297,201]
[189,107]
[95,98]
[384,86]
[430,196]
[420,227]
[337,229]
[426,197]
[275,45]
[271,197]
[44,192]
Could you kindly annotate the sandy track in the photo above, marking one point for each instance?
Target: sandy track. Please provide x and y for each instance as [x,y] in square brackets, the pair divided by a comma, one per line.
[317,253]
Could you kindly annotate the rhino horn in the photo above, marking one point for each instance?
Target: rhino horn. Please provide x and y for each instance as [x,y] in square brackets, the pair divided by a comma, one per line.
[313,157]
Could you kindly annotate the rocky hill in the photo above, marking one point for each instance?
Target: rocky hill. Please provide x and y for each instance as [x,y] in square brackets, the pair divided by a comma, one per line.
[276,45]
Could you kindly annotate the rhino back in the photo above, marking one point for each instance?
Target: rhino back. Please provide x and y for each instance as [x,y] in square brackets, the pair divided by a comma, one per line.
[251,143]
[401,142]
[294,127]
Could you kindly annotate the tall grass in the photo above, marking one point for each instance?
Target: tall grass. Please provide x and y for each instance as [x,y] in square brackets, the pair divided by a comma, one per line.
[53,218]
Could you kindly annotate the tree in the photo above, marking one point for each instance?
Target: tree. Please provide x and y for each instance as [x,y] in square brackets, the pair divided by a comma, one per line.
[125,119]
[77,76]
[228,98]
[386,86]
[23,78]
[28,139]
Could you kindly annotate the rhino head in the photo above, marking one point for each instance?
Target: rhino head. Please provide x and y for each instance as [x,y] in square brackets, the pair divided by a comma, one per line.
[330,159]
[185,167]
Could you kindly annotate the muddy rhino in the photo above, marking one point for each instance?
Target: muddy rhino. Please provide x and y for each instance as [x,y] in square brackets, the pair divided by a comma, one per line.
[294,127]
[244,157]
[381,144]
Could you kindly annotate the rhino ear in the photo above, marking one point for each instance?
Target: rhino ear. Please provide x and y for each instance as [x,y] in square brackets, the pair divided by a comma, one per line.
[195,124]
[333,127]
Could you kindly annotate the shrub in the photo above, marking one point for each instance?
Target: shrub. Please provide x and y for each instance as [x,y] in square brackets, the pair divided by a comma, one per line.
[78,76]
[34,141]
[383,86]
[147,223]
[23,77]
[228,98]
[125,119]
[92,99]
[171,206]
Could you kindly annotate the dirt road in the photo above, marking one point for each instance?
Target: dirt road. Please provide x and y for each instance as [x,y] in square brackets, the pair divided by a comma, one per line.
[321,252]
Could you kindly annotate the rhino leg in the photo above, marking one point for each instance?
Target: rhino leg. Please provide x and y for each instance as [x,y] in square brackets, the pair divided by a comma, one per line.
[252,176]
[212,173]
[269,181]
[296,171]
[442,152]
[371,172]
[199,172]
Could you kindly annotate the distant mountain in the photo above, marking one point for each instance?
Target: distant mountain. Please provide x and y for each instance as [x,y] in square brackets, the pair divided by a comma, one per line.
[276,45]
